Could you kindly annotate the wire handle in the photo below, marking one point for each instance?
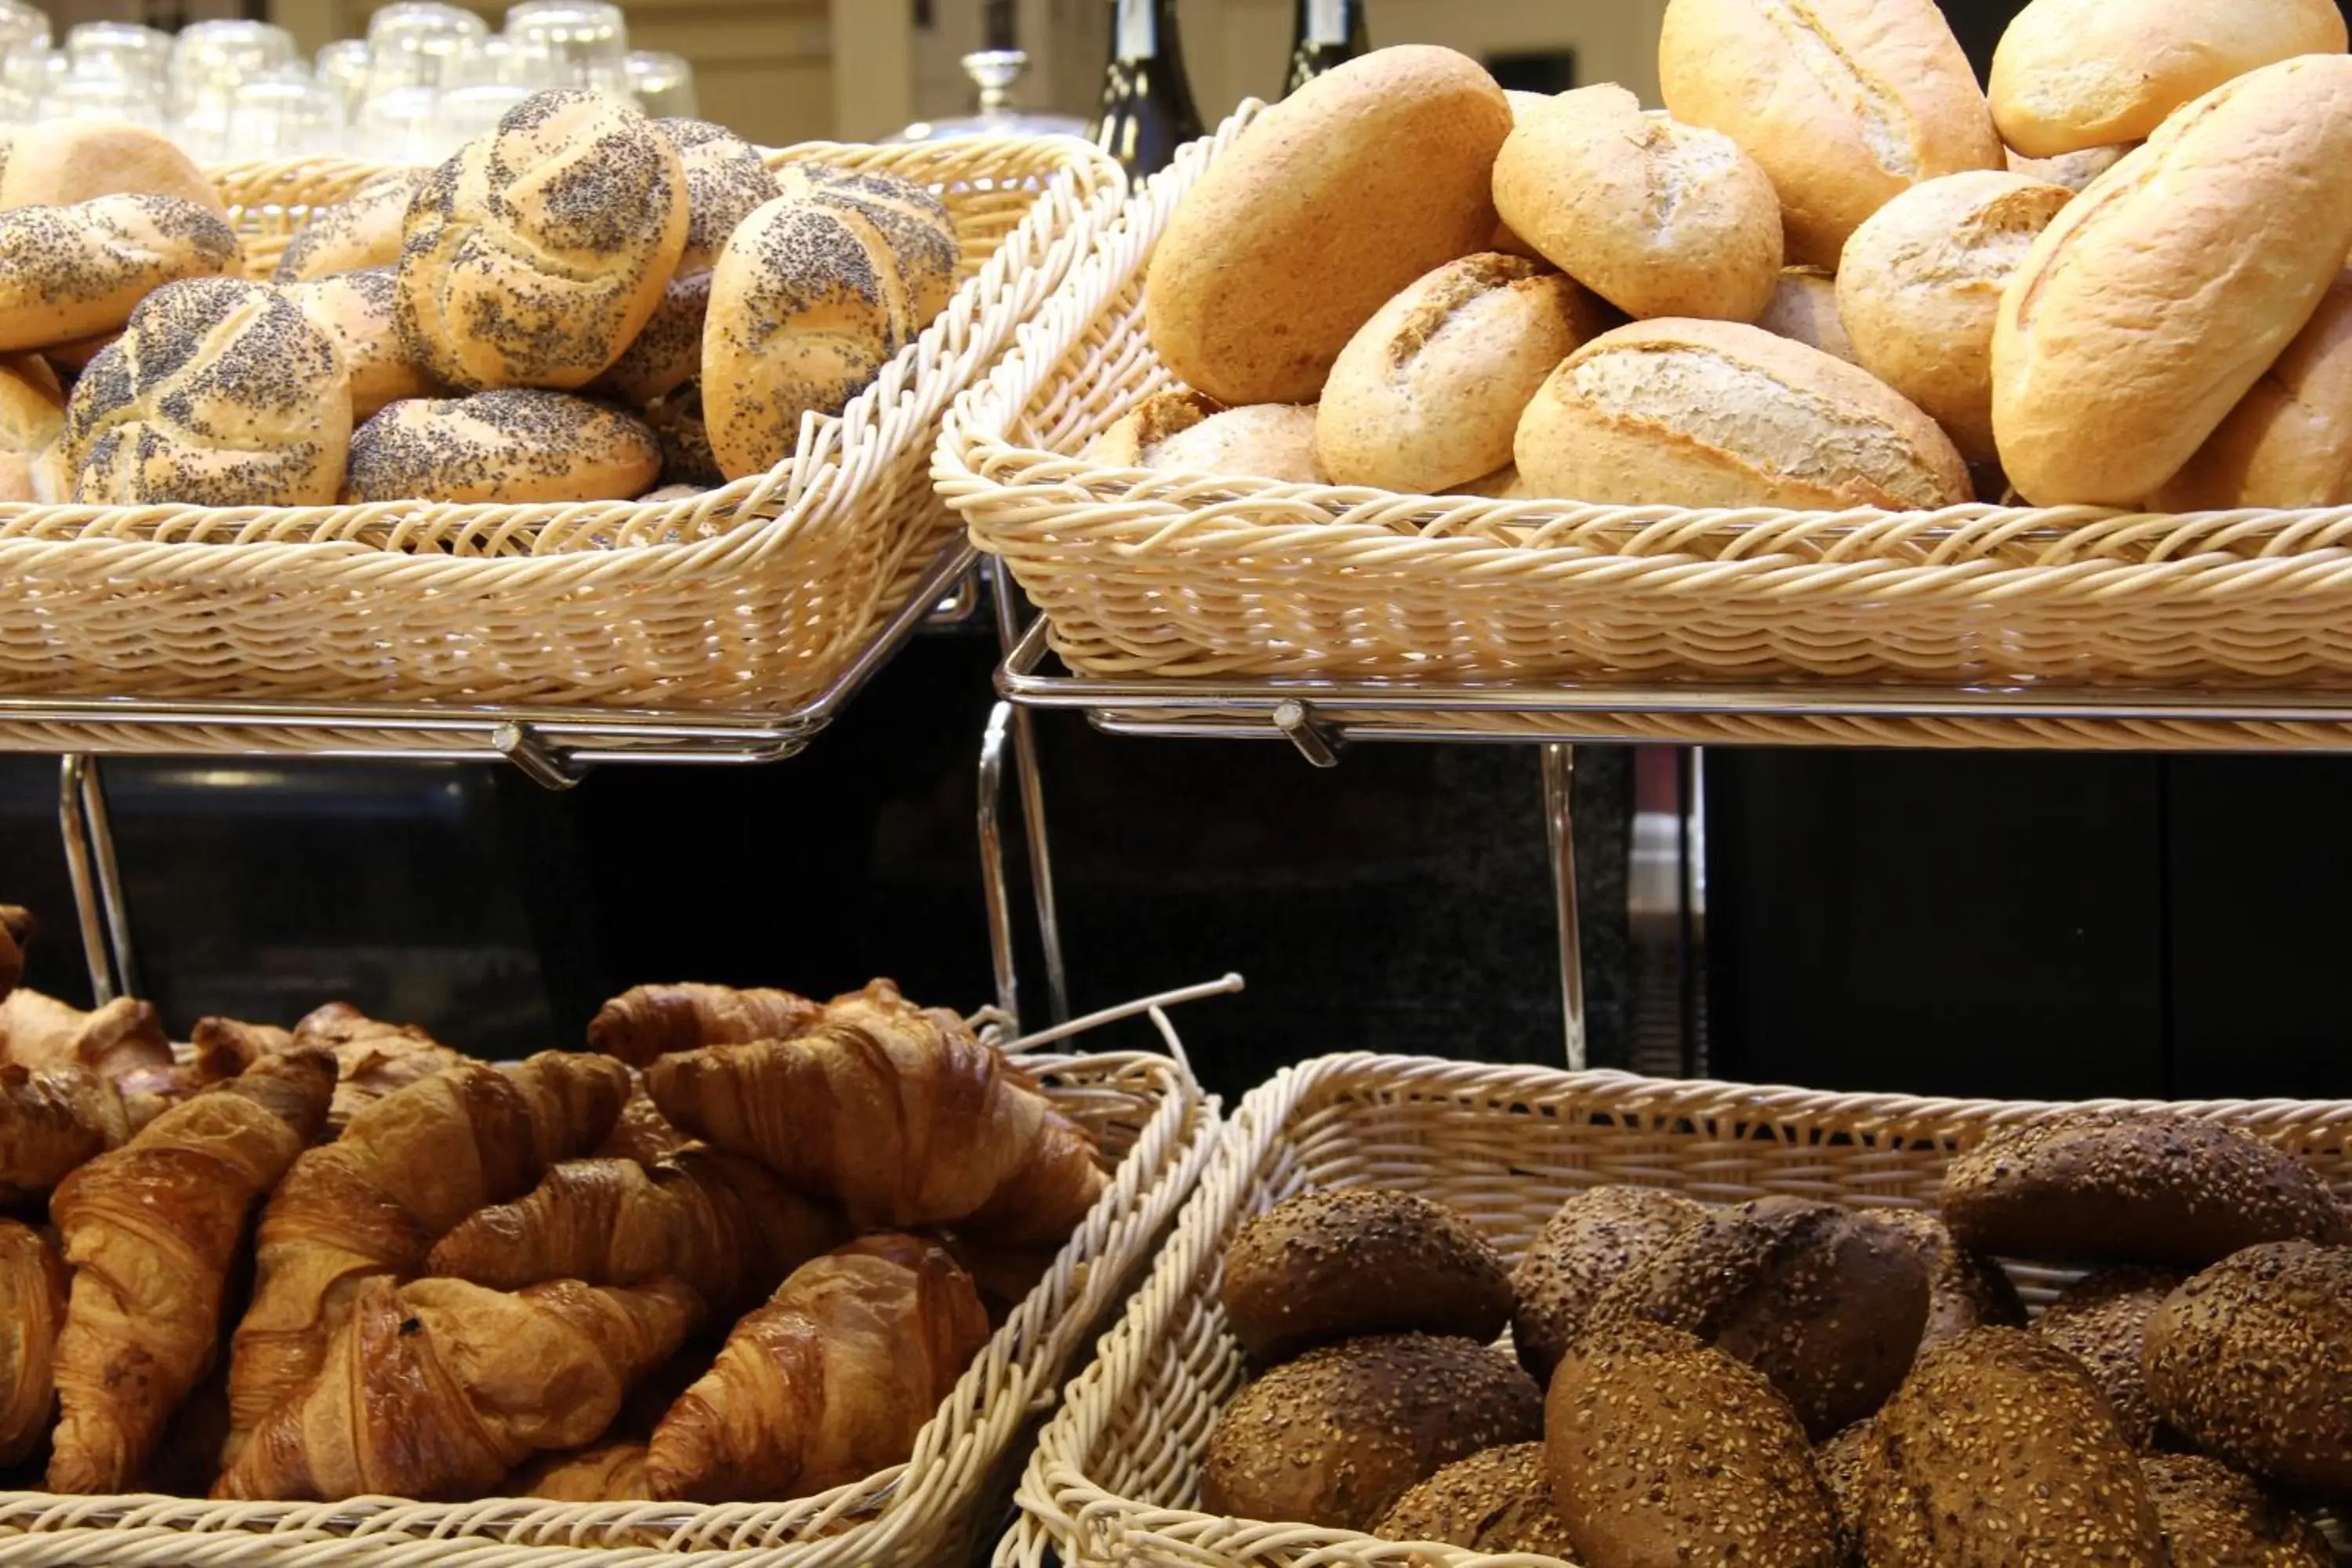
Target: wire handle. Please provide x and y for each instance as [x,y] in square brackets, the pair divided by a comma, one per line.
[1225,986]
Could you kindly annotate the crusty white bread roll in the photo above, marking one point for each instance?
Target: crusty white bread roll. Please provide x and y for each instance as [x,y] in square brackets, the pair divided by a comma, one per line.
[2155,298]
[814,294]
[56,163]
[2070,74]
[513,445]
[1138,433]
[355,235]
[1264,440]
[532,256]
[73,272]
[1506,239]
[1804,307]
[1720,413]
[32,417]
[2288,443]
[1656,217]
[360,310]
[1337,197]
[221,392]
[725,184]
[1428,394]
[2072,170]
[1920,288]
[1843,102]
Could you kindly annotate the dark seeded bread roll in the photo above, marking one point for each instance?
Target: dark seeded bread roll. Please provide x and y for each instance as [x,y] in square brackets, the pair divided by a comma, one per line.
[516,445]
[725,184]
[1665,1453]
[2000,1452]
[1965,1289]
[1346,1261]
[2144,1187]
[1827,1303]
[2215,1518]
[1337,1437]
[1497,1500]
[1839,1462]
[2252,1361]
[2102,1321]
[1595,1238]
[347,237]
[80,271]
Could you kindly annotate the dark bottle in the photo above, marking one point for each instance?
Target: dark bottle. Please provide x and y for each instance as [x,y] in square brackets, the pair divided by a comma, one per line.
[1329,33]
[1147,105]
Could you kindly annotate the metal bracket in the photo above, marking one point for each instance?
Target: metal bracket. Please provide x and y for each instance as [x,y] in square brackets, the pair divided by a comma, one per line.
[548,766]
[1560,827]
[97,878]
[1316,740]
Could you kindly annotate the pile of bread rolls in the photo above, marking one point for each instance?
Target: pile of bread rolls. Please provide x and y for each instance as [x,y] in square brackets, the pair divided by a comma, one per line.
[1833,271]
[581,305]
[1788,1383]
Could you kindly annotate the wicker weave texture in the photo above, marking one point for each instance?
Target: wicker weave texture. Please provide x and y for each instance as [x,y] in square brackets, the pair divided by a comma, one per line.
[1115,1478]
[743,599]
[1145,1108]
[1154,574]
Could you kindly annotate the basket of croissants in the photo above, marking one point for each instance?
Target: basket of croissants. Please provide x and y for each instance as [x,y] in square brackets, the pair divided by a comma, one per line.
[1424,1314]
[604,411]
[1840,367]
[753,1275]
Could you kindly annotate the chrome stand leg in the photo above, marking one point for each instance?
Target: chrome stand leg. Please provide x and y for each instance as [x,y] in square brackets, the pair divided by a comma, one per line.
[1559,779]
[1032,804]
[97,877]
[999,896]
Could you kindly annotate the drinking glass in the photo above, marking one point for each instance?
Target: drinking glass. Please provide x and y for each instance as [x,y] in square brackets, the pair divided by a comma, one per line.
[286,114]
[342,69]
[575,43]
[210,61]
[122,51]
[663,84]
[24,54]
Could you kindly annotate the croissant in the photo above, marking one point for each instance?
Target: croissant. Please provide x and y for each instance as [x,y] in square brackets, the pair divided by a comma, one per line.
[405,1171]
[643,1133]
[828,1382]
[122,1036]
[609,1472]
[437,1388]
[32,1306]
[149,1230]
[374,1057]
[16,928]
[52,1121]
[225,1046]
[650,1021]
[901,1116]
[726,1226]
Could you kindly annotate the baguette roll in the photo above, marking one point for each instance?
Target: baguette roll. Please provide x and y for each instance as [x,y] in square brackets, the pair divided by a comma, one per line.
[2288,443]
[80,272]
[1804,308]
[2072,170]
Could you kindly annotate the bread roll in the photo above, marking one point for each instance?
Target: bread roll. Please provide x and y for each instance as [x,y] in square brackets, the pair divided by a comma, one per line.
[2151,305]
[351,236]
[1427,395]
[1295,1275]
[512,445]
[361,310]
[1593,1239]
[1657,217]
[685,438]
[221,392]
[2072,170]
[725,184]
[1844,102]
[70,272]
[1920,288]
[70,358]
[532,256]
[1507,240]
[2070,74]
[1136,437]
[1839,1462]
[2102,1321]
[2215,1518]
[32,417]
[1497,1500]
[58,162]
[1719,413]
[1339,195]
[1803,309]
[1264,440]
[816,293]
[1965,1289]
[2288,443]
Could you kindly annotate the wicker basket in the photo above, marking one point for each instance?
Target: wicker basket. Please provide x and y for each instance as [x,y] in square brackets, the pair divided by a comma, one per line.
[1156,575]
[1115,1475]
[1145,1107]
[744,599]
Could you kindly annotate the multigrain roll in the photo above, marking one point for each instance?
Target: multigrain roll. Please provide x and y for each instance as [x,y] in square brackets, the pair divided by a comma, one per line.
[2150,306]
[1657,217]
[1523,105]
[361,310]
[1920,285]
[2070,74]
[532,256]
[32,417]
[1336,198]
[2074,170]
[1720,413]
[350,236]
[2252,1362]
[2215,1518]
[1593,1239]
[1428,394]
[76,271]
[1844,102]
[1803,309]
[58,162]
[2288,443]
[1497,1500]
[2102,1321]
[1663,1450]
[724,182]
[816,291]
[221,392]
[511,444]
[1337,1437]
[1137,435]
[1264,440]
[1839,1463]
[1965,1289]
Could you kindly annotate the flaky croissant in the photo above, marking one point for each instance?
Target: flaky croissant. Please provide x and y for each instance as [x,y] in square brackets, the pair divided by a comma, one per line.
[149,1230]
[375,1058]
[32,1309]
[437,1388]
[16,928]
[123,1037]
[650,1021]
[828,1382]
[405,1172]
[726,1226]
[54,1120]
[609,1472]
[643,1133]
[899,1115]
